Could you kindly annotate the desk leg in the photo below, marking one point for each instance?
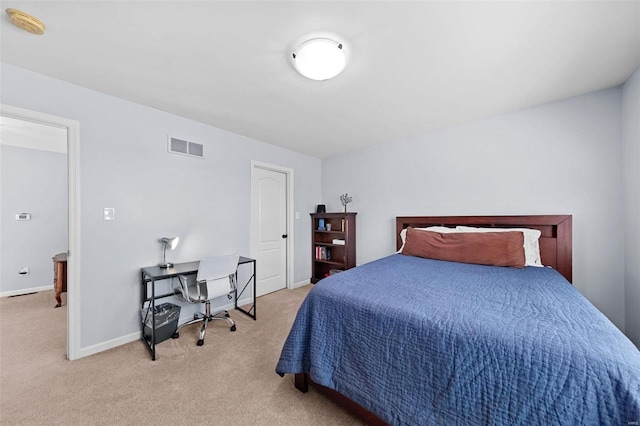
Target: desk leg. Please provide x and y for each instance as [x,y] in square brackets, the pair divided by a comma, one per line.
[151,347]
[153,320]
[252,311]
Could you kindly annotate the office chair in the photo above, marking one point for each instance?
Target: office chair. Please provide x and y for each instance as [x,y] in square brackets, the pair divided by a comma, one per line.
[216,277]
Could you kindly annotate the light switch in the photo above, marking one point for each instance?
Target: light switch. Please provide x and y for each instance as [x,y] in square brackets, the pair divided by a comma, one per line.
[109,213]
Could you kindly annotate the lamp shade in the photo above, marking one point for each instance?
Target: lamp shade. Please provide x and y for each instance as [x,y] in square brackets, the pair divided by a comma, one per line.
[320,58]
[172,243]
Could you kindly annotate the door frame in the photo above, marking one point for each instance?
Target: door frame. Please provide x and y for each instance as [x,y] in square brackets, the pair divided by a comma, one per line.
[73,214]
[289,194]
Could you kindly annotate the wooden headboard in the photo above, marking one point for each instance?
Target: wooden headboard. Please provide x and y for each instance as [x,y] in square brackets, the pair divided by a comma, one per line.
[555,241]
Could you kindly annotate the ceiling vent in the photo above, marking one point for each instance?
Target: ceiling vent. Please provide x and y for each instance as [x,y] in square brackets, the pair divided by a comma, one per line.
[182,147]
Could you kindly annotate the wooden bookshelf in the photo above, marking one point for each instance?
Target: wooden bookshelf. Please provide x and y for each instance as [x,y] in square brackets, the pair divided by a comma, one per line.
[327,251]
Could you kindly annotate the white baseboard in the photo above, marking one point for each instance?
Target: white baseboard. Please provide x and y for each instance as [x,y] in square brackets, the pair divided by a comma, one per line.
[132,337]
[25,291]
[109,344]
[241,302]
[300,284]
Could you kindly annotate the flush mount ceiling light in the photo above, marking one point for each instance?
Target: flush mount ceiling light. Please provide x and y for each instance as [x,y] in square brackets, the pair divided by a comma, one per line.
[25,21]
[319,58]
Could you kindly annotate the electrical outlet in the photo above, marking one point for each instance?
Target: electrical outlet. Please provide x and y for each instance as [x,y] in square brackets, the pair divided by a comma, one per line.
[109,213]
[24,270]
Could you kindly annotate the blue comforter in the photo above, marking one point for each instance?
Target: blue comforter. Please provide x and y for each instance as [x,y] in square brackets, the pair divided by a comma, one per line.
[419,341]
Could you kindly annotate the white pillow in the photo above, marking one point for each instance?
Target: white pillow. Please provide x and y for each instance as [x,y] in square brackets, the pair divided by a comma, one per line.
[441,229]
[531,244]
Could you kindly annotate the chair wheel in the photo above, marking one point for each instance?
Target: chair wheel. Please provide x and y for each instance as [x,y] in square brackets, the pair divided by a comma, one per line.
[175,335]
[233,327]
[200,342]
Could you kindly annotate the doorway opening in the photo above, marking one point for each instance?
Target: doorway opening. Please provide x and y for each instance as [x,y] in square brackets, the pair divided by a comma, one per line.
[71,128]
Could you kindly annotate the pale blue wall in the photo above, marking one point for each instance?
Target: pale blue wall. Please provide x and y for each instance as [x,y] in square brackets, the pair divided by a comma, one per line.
[124,164]
[631,151]
[559,158]
[32,181]
[564,157]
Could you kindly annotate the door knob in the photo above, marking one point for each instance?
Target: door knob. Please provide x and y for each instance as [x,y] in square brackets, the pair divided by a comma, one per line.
[284,235]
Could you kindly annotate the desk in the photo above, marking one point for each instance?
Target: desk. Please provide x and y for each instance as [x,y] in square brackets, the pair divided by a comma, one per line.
[59,276]
[150,275]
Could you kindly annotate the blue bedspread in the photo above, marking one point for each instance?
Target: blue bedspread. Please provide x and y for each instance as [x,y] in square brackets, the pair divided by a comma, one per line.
[419,341]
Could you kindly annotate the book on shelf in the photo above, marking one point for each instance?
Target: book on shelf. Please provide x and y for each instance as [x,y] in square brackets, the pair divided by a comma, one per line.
[323,253]
[338,241]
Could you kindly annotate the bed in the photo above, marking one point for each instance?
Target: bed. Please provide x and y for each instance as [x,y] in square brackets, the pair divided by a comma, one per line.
[410,340]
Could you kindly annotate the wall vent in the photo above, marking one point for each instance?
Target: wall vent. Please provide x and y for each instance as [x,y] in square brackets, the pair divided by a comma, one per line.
[182,147]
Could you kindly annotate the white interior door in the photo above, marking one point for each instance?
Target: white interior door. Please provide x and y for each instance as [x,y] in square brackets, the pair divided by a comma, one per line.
[269,192]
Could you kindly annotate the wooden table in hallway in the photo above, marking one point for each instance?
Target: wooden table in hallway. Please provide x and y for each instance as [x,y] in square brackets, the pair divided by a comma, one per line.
[59,276]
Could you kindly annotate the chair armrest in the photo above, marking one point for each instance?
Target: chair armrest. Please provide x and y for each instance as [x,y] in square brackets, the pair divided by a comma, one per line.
[232,283]
[181,291]
[201,287]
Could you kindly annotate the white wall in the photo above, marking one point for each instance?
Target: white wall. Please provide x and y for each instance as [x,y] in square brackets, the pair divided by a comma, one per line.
[32,181]
[631,152]
[559,158]
[124,164]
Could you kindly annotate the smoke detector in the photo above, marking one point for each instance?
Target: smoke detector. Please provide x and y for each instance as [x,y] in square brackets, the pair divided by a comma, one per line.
[25,21]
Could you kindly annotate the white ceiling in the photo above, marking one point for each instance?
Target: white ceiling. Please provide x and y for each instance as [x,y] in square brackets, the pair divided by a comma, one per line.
[413,66]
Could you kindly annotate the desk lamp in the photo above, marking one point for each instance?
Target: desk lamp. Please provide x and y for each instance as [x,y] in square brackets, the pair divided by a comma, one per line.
[172,243]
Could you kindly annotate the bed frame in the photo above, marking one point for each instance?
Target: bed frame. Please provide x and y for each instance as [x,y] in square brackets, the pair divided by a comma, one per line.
[555,251]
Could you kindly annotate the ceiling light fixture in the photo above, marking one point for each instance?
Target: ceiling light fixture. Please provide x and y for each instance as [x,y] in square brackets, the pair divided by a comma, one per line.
[25,21]
[320,58]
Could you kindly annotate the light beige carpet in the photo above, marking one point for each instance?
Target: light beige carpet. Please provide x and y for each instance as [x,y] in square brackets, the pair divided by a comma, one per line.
[230,380]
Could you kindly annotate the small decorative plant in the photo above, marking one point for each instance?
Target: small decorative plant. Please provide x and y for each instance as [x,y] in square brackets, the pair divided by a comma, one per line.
[345,199]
